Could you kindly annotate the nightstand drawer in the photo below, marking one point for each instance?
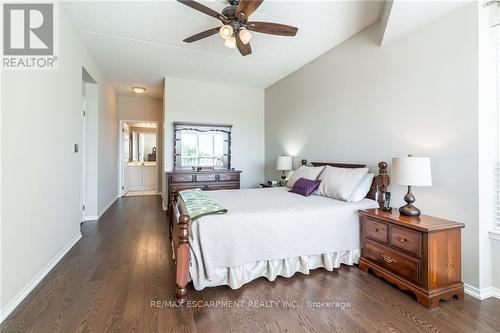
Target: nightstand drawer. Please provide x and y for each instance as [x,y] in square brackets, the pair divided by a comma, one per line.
[376,230]
[399,263]
[406,239]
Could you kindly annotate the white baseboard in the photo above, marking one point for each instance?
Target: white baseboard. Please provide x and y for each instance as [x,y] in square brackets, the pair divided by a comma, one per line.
[90,218]
[4,313]
[483,293]
[107,207]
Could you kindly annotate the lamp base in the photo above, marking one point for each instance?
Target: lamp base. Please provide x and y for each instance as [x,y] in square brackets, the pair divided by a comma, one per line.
[409,210]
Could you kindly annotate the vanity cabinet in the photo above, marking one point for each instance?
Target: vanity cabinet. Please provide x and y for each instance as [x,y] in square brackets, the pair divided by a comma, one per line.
[142,177]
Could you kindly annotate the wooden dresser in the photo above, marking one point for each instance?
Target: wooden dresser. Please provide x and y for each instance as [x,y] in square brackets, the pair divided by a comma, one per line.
[420,254]
[206,180]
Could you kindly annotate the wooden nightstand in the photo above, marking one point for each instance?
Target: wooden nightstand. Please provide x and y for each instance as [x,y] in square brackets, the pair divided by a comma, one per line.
[420,254]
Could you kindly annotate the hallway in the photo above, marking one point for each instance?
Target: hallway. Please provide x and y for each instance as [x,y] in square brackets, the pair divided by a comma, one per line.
[108,281]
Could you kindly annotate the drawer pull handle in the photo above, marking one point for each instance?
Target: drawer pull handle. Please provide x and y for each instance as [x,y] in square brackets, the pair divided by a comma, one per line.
[376,230]
[403,240]
[388,259]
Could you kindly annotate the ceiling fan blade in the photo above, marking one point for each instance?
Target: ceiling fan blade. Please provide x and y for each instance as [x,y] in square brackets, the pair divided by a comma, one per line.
[247,7]
[272,28]
[245,49]
[202,8]
[201,35]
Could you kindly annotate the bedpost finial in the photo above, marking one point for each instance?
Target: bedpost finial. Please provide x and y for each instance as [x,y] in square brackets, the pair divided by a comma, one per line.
[184,219]
[382,168]
[304,162]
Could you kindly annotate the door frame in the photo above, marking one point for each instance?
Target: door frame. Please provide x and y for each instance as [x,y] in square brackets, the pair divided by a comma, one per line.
[120,150]
[83,110]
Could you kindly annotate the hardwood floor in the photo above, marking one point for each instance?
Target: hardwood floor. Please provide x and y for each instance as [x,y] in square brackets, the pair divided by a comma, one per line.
[109,280]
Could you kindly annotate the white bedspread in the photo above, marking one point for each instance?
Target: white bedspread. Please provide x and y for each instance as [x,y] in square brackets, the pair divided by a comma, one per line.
[270,224]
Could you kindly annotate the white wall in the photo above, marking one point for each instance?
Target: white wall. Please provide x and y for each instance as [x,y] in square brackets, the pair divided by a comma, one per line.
[197,101]
[107,155]
[363,103]
[40,174]
[91,151]
[145,109]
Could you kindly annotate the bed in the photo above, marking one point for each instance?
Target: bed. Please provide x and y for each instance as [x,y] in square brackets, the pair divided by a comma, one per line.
[254,238]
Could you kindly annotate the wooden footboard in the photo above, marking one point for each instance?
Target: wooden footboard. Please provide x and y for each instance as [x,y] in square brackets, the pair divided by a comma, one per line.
[180,244]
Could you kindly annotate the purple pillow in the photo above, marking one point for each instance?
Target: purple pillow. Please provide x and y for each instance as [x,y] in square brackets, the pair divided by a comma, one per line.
[305,187]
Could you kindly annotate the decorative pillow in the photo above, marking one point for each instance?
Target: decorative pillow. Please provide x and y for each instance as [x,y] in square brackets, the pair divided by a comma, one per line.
[305,187]
[306,172]
[340,183]
[363,188]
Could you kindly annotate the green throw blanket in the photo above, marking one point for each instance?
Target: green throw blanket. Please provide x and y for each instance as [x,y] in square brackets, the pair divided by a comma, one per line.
[198,204]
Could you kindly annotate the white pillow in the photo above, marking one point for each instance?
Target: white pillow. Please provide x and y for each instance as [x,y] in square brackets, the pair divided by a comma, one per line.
[363,188]
[340,183]
[306,172]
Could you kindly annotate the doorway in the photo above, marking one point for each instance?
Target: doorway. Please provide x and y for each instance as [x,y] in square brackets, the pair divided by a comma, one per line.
[139,157]
[87,148]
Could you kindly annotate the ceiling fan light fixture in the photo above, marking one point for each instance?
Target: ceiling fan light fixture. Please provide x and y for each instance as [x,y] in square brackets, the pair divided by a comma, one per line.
[226,31]
[230,42]
[245,36]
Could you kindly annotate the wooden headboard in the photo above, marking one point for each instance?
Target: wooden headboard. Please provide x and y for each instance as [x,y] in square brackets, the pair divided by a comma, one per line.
[380,181]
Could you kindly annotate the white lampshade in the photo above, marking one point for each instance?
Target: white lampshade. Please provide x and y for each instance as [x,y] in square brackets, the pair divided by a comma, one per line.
[226,31]
[284,163]
[414,171]
[245,36]
[230,42]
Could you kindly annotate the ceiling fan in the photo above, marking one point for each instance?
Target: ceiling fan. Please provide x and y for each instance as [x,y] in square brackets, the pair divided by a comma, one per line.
[236,27]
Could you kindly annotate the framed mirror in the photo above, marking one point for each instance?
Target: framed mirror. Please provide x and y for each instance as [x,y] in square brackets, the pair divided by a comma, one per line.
[202,146]
[143,147]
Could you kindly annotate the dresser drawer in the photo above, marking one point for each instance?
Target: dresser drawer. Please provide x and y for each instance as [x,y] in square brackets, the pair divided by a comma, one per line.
[224,186]
[401,264]
[406,239]
[205,178]
[229,177]
[179,188]
[182,178]
[376,230]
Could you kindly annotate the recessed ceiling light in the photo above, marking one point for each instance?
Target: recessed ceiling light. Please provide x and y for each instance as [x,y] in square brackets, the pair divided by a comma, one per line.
[139,90]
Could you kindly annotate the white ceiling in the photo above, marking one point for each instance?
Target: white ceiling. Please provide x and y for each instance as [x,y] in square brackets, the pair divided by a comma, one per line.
[139,43]
[404,17]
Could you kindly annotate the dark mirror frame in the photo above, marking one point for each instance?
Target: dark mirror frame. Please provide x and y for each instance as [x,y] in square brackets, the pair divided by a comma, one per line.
[180,126]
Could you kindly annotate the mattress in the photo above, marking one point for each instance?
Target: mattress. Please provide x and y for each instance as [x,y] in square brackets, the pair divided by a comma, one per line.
[269,226]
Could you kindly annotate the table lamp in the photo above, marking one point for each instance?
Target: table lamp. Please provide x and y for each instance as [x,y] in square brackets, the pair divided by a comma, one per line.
[411,171]
[284,163]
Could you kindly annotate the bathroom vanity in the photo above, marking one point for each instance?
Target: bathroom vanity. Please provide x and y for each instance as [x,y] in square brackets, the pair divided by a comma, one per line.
[142,176]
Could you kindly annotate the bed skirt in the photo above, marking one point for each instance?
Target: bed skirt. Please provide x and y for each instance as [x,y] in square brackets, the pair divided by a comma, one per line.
[237,276]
